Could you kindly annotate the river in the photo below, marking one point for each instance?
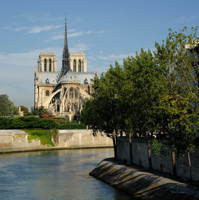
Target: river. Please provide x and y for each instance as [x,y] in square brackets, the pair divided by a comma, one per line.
[55,175]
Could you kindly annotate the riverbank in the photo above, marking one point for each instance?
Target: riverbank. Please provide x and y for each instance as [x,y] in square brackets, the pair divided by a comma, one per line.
[18,141]
[148,185]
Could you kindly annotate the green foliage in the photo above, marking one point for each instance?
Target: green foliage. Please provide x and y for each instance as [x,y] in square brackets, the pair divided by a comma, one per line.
[7,107]
[72,126]
[103,111]
[44,136]
[39,111]
[151,92]
[141,92]
[156,146]
[181,121]
[37,122]
[27,122]
[178,110]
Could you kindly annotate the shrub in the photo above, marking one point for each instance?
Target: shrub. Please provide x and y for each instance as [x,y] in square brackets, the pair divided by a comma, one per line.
[27,122]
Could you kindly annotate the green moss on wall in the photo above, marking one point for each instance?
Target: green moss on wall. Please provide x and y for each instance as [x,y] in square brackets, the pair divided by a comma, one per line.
[44,136]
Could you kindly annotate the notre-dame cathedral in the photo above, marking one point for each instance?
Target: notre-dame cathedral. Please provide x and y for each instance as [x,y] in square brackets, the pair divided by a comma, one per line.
[63,93]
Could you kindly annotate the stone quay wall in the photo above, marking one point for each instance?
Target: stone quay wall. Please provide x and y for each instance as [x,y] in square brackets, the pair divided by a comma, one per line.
[162,162]
[17,140]
[141,183]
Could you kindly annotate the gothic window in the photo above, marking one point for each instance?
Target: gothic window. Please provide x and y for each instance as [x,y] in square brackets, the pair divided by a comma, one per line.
[50,65]
[79,66]
[83,66]
[58,108]
[76,94]
[71,93]
[47,92]
[74,66]
[45,65]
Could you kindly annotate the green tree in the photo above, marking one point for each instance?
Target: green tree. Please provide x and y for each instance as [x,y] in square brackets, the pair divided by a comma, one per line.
[141,93]
[102,113]
[179,107]
[39,110]
[7,108]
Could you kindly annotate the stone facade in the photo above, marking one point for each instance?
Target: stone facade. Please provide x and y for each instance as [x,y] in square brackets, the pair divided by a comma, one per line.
[62,93]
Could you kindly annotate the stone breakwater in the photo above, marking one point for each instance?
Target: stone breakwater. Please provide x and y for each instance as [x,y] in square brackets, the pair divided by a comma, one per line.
[147,185]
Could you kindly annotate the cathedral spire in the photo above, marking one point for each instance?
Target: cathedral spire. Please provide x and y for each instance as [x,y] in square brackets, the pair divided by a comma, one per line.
[65,58]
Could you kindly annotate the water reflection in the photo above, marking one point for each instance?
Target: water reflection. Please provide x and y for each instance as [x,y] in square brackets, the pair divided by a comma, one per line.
[53,175]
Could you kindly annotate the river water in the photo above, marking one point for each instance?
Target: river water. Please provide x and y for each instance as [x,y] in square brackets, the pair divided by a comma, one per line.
[55,175]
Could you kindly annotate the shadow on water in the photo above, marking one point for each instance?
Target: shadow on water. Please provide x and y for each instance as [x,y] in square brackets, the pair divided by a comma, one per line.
[61,174]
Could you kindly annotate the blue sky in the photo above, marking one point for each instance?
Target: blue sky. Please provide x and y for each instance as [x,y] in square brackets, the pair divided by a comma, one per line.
[105,30]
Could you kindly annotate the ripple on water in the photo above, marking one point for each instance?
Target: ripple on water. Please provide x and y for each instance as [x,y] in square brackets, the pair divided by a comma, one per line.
[53,175]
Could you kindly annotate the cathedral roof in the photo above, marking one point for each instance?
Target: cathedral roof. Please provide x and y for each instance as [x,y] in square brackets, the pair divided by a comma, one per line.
[82,77]
[48,78]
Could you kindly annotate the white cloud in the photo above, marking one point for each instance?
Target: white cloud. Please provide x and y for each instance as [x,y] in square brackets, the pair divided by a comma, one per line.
[72,34]
[27,59]
[84,33]
[36,18]
[115,57]
[79,47]
[184,19]
[37,29]
[21,28]
[194,17]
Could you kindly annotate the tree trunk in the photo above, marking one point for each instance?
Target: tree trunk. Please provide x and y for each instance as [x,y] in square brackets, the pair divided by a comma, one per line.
[149,153]
[115,144]
[189,159]
[121,133]
[174,164]
[130,149]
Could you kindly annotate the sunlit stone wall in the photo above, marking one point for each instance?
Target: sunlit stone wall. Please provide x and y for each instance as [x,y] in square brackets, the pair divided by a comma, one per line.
[17,140]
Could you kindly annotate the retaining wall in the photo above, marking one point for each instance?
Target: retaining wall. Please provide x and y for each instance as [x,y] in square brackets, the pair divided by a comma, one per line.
[148,185]
[17,140]
[162,163]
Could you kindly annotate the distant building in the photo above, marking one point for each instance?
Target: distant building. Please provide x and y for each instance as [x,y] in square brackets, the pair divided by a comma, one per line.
[21,113]
[62,93]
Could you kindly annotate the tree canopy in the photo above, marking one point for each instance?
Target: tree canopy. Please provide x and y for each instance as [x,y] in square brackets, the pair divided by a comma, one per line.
[7,108]
[152,92]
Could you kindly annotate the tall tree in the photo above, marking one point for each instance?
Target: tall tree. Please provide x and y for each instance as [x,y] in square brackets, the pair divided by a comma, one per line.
[179,109]
[141,92]
[7,108]
[103,112]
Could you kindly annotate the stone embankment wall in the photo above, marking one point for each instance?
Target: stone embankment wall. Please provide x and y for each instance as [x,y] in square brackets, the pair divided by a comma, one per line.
[17,140]
[162,163]
[147,185]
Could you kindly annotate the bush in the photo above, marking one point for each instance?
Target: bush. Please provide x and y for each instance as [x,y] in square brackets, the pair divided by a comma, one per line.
[5,122]
[72,125]
[36,122]
[27,122]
